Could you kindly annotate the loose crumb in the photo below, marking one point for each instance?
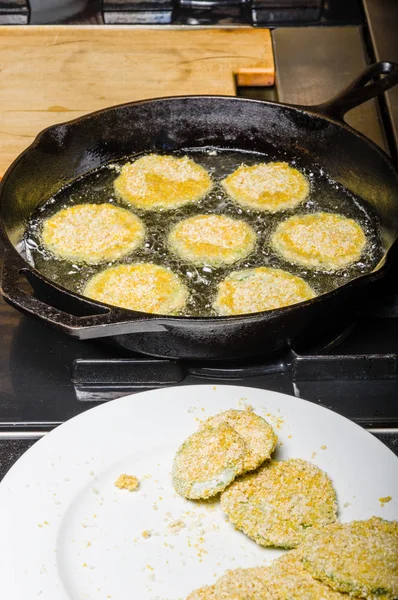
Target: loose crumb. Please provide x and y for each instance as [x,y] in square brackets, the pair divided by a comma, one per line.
[385,499]
[176,526]
[323,447]
[146,534]
[127,482]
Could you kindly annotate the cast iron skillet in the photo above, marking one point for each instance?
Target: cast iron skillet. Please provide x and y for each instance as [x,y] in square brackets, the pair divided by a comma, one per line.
[64,152]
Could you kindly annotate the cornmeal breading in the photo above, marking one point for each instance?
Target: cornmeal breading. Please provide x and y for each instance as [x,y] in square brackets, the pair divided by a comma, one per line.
[284,579]
[244,584]
[260,289]
[258,435]
[324,241]
[288,578]
[141,286]
[278,503]
[208,461]
[204,593]
[359,558]
[92,233]
[212,240]
[270,187]
[157,182]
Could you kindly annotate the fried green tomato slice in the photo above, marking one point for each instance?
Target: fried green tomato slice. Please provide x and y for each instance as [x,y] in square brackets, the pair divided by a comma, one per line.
[140,286]
[288,578]
[324,241]
[204,593]
[258,435]
[260,289]
[359,558]
[284,579]
[271,187]
[277,504]
[213,240]
[238,584]
[208,461]
[245,584]
[92,233]
[158,182]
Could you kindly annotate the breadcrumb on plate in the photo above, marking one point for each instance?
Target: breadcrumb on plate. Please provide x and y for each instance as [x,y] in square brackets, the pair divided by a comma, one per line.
[127,482]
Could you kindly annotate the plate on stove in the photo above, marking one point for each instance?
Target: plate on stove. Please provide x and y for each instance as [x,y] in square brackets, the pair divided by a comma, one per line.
[68,533]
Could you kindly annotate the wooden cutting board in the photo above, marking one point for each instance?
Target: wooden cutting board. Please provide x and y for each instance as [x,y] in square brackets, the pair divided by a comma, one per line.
[51,74]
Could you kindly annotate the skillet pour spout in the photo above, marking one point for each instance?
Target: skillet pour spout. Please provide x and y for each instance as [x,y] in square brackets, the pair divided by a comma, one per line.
[62,153]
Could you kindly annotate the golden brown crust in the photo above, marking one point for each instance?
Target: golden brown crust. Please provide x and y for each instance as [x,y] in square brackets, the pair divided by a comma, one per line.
[324,241]
[256,290]
[159,182]
[92,233]
[277,504]
[140,286]
[270,187]
[212,240]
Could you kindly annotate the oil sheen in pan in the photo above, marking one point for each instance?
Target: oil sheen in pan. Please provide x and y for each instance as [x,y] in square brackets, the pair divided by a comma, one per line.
[97,187]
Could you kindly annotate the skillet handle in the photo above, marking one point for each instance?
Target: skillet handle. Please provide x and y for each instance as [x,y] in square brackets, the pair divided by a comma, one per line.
[88,326]
[372,82]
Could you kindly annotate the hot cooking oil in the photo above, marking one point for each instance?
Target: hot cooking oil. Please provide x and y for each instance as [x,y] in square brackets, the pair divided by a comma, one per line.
[97,187]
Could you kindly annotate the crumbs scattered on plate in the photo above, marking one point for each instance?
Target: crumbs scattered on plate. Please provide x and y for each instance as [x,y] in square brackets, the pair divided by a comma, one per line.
[127,482]
[385,499]
[176,526]
[146,534]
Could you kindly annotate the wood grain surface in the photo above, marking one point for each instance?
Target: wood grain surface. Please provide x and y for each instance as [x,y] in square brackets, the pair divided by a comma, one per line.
[51,74]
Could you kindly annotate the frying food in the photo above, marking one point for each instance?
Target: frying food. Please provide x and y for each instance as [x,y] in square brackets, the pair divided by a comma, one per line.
[208,461]
[277,504]
[359,558]
[324,241]
[140,286]
[258,435]
[92,233]
[256,290]
[157,182]
[270,187]
[212,240]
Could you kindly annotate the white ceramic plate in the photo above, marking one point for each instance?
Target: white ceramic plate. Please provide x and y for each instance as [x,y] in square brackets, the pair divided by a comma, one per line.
[67,533]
